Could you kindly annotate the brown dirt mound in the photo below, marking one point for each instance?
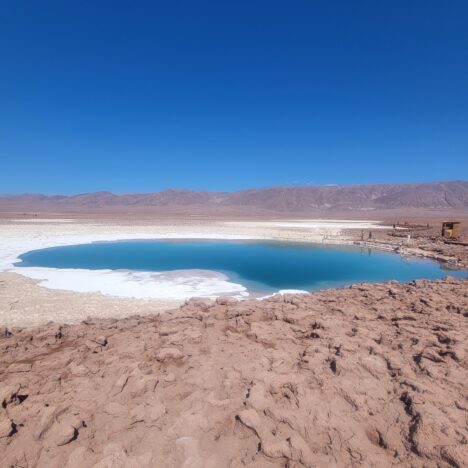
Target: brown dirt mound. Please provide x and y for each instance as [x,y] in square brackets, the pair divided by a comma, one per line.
[372,375]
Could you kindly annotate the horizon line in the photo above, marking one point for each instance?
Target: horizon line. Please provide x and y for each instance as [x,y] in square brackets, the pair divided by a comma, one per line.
[268,187]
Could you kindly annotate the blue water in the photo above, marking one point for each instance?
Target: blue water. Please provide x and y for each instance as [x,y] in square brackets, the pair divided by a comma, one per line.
[261,266]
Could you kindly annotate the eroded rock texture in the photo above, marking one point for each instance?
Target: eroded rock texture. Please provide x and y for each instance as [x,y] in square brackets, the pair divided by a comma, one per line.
[373,375]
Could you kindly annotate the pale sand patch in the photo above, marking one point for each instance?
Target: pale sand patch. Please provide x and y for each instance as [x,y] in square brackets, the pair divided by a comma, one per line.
[328,226]
[44,220]
[24,303]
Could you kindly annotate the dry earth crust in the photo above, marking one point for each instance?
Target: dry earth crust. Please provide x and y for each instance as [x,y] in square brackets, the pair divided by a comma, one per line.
[372,375]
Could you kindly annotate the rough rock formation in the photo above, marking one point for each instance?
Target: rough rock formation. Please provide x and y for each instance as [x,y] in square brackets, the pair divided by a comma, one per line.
[372,375]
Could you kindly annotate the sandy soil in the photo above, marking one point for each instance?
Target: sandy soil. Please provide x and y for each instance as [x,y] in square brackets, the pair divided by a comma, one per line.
[373,376]
[23,303]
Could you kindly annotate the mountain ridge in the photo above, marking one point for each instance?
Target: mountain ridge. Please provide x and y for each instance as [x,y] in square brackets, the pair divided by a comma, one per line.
[424,195]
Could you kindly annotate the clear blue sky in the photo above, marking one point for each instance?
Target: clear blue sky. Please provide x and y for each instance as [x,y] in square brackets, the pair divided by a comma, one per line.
[220,95]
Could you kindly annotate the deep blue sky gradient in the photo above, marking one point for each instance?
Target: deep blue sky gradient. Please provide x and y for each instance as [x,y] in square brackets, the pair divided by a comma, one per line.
[134,96]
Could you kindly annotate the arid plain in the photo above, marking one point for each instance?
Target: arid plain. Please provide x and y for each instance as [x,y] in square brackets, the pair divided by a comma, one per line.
[372,375]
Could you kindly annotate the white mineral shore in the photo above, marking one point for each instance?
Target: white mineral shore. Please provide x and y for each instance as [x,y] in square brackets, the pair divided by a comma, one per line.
[162,289]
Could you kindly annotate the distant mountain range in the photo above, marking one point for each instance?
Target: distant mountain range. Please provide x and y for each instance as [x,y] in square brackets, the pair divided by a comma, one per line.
[433,195]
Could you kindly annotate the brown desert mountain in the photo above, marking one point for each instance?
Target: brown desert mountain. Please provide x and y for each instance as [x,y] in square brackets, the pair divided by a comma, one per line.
[287,199]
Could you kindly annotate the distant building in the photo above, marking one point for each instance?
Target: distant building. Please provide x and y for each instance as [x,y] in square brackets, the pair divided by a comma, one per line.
[451,229]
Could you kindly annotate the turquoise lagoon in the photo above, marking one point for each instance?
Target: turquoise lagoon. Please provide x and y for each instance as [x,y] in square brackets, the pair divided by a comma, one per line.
[261,266]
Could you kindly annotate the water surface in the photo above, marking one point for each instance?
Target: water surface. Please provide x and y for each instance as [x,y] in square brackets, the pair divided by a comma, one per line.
[261,266]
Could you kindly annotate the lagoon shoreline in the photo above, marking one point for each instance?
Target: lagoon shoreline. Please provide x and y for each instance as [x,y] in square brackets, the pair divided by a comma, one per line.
[20,235]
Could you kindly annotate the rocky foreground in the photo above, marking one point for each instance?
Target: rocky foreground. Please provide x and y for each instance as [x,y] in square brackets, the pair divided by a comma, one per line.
[373,375]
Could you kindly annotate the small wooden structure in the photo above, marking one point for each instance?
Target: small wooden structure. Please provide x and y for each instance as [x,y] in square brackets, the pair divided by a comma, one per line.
[451,229]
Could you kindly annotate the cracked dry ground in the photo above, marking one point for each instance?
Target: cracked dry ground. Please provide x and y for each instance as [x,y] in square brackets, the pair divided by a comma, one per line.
[372,375]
